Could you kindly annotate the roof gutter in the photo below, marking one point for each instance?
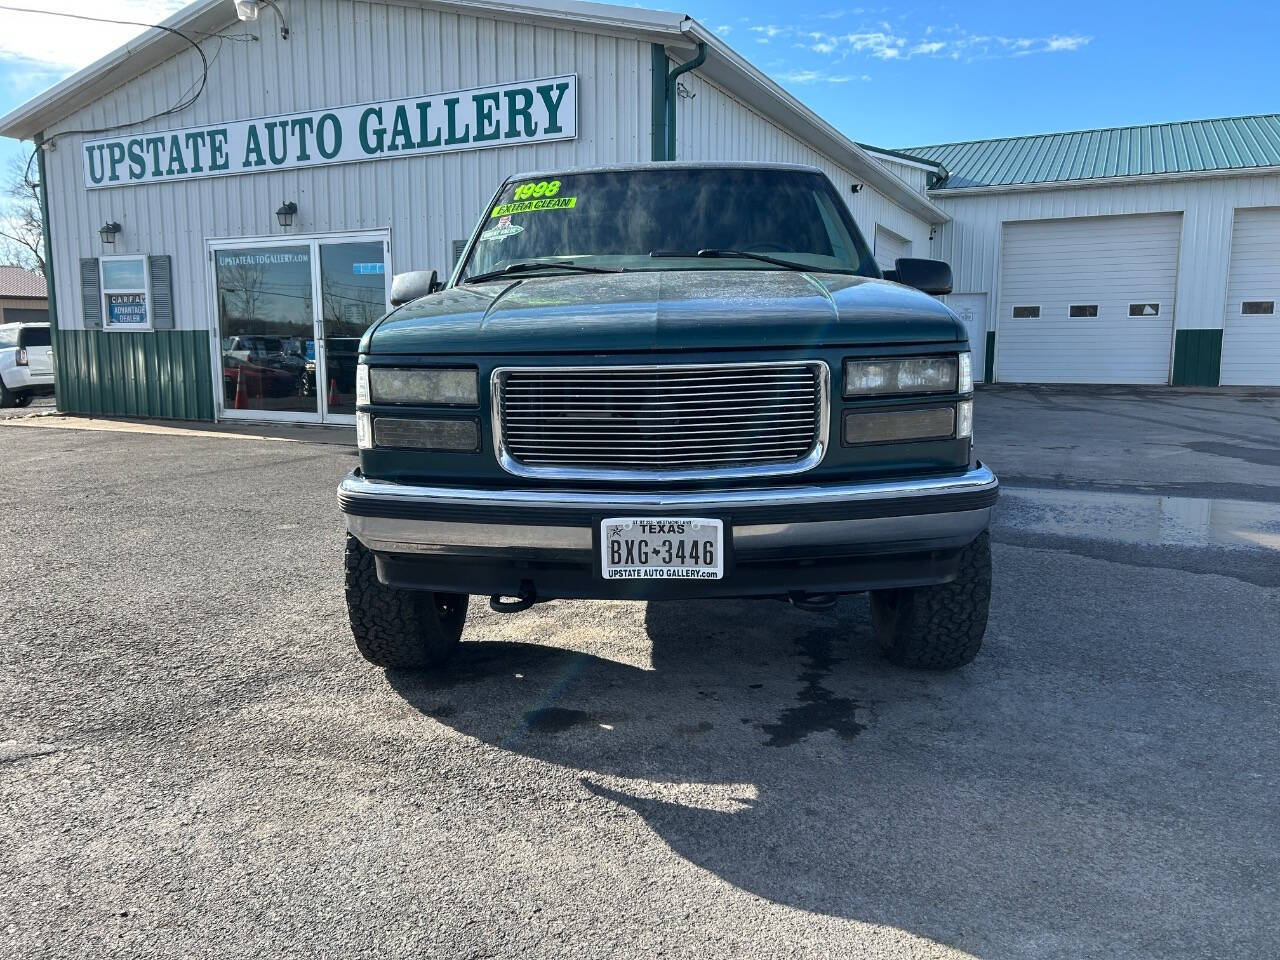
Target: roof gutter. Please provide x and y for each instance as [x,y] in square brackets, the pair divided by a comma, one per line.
[672,78]
[46,238]
[955,193]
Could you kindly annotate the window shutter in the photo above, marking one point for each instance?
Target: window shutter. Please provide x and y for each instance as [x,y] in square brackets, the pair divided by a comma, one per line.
[91,293]
[161,272]
[459,248]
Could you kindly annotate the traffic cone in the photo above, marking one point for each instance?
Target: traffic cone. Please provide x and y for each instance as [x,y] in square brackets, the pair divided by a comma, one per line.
[242,402]
[334,399]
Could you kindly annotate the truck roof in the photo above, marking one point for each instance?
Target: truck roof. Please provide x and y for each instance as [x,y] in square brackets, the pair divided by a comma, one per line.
[662,165]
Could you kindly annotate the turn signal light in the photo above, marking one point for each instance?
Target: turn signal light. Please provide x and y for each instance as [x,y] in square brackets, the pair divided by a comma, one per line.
[893,426]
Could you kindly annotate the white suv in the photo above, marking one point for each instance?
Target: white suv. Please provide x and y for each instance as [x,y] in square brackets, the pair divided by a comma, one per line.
[26,363]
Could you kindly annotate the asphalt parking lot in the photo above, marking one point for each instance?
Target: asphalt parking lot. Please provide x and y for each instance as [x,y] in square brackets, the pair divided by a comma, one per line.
[195,762]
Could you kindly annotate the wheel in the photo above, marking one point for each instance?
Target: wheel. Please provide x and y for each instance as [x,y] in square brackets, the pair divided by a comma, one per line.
[938,627]
[406,629]
[7,397]
[22,400]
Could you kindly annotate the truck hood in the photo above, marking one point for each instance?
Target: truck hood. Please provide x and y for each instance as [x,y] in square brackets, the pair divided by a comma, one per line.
[663,310]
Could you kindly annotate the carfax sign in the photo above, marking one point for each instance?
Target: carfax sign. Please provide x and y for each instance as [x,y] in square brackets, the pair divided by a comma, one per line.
[126,309]
[531,111]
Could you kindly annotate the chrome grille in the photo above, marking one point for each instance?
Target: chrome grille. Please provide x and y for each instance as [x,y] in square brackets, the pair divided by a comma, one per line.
[676,421]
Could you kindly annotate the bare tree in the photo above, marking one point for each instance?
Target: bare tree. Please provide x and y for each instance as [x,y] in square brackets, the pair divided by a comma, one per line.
[21,228]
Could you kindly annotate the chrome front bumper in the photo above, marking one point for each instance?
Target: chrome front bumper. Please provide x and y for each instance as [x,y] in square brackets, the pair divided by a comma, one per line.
[898,516]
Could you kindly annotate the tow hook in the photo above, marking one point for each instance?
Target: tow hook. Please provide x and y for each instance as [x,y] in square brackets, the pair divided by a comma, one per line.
[813,602]
[527,597]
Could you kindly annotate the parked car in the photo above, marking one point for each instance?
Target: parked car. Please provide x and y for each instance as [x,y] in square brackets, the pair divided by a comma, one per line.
[271,365]
[26,363]
[667,382]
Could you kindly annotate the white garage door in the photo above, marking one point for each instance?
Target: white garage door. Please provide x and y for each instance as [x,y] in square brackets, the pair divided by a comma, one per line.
[1251,334]
[889,247]
[1088,301]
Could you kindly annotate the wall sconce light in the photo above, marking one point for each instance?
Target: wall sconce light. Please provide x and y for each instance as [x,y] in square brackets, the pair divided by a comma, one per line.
[855,188]
[286,212]
[108,231]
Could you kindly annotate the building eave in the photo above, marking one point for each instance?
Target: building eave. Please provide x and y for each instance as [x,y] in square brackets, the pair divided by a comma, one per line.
[955,193]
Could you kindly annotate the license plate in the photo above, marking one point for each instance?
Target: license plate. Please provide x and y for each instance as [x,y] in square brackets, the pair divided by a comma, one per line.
[661,548]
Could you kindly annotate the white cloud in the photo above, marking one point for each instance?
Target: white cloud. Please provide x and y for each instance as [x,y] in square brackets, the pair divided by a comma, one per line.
[1054,44]
[884,42]
[55,46]
[724,30]
[807,77]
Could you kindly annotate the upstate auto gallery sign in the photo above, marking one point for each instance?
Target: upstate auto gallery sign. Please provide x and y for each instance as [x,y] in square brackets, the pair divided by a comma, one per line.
[531,111]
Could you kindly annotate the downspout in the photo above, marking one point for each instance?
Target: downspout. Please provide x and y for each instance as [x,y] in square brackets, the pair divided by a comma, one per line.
[46,237]
[672,77]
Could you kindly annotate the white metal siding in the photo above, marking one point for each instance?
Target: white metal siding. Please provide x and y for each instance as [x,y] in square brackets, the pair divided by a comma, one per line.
[1251,344]
[1108,261]
[915,176]
[715,125]
[340,52]
[889,247]
[971,241]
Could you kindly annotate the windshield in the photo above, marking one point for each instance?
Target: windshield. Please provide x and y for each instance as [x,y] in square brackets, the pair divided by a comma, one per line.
[620,218]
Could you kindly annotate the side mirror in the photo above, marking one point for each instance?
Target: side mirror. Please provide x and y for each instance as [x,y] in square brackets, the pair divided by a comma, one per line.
[412,285]
[930,276]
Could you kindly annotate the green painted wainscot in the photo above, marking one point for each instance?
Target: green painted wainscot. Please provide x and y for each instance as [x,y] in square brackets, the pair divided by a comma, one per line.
[1197,358]
[164,373]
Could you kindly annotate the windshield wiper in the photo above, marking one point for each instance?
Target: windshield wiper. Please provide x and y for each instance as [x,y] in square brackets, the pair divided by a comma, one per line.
[522,266]
[712,253]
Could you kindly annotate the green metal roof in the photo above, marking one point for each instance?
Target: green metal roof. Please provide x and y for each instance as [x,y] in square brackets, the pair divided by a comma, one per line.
[1231,143]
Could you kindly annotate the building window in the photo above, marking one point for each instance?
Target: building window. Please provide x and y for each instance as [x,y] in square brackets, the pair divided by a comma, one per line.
[1079,310]
[1144,309]
[1026,313]
[126,301]
[1258,308]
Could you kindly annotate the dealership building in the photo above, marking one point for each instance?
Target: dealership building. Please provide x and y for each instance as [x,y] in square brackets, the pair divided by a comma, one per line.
[350,141]
[329,144]
[1145,255]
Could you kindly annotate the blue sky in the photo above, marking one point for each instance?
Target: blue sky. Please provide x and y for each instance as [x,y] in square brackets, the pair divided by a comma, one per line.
[896,75]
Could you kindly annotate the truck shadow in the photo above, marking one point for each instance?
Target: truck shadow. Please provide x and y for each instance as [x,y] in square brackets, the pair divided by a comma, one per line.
[775,749]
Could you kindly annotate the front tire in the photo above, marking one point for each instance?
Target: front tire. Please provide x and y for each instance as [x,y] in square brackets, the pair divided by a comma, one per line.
[937,627]
[401,629]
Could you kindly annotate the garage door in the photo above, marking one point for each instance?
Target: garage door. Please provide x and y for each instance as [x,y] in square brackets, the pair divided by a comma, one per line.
[1088,301]
[1251,332]
[889,247]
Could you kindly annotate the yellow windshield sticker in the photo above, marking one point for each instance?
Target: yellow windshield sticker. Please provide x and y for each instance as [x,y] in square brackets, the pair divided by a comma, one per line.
[533,206]
[532,191]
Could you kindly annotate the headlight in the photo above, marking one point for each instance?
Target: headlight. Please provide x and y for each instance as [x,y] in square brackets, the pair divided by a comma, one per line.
[911,375]
[425,386]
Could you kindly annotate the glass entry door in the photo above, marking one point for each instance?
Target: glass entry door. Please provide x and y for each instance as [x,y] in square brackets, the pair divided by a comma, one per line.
[353,294]
[290,315]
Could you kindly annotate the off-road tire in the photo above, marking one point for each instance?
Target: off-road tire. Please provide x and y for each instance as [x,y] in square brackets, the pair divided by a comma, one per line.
[938,627]
[401,629]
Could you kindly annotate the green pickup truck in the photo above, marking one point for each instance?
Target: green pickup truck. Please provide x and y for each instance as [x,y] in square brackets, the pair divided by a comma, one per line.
[662,382]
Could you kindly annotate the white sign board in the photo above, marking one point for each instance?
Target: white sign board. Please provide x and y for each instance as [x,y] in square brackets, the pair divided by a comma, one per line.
[498,115]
